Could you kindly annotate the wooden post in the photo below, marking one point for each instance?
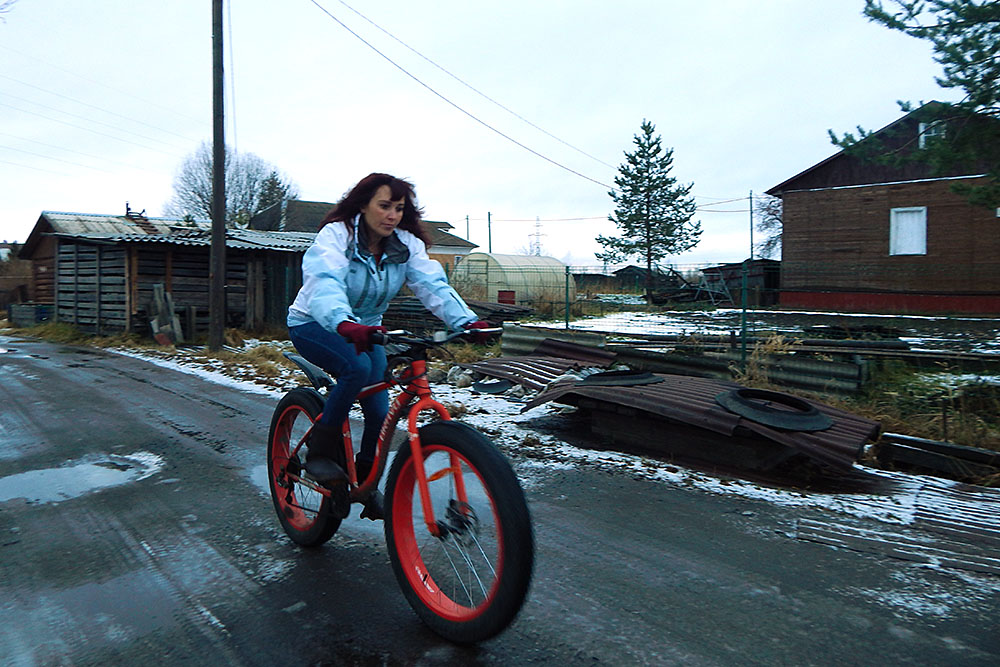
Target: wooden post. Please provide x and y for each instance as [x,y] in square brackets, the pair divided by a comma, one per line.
[217,265]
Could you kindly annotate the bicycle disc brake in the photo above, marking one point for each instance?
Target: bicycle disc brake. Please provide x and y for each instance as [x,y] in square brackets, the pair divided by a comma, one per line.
[460,522]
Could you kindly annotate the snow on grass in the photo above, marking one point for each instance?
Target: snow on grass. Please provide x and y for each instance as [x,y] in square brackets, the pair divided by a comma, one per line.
[537,454]
[973,334]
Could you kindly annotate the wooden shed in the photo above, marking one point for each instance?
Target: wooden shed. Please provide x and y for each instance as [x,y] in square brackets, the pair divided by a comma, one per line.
[864,235]
[99,271]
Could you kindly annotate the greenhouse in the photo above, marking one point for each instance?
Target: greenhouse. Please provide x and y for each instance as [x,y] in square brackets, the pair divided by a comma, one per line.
[523,280]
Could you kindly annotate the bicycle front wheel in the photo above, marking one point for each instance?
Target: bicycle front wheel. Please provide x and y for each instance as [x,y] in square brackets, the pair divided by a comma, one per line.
[469,582]
[305,514]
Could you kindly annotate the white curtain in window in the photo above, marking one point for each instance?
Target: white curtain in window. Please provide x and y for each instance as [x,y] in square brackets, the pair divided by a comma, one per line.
[908,231]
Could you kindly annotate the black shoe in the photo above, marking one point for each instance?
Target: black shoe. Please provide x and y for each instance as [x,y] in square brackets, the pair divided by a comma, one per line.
[325,471]
[362,468]
[374,507]
[374,504]
[325,455]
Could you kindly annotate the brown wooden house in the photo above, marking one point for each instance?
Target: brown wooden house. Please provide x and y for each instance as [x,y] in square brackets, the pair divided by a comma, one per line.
[874,237]
[98,272]
[305,216]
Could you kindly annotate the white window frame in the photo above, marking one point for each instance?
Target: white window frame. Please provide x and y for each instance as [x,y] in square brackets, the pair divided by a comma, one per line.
[927,130]
[908,230]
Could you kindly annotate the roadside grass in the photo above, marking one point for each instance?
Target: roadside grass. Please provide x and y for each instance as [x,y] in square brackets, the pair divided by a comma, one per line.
[937,406]
[904,400]
[911,402]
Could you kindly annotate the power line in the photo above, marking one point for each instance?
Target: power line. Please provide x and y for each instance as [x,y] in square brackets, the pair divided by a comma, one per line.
[728,210]
[70,150]
[128,94]
[87,129]
[83,118]
[478,92]
[49,157]
[603,217]
[445,99]
[25,166]
[87,104]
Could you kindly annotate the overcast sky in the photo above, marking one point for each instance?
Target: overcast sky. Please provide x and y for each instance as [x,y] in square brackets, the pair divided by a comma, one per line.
[102,101]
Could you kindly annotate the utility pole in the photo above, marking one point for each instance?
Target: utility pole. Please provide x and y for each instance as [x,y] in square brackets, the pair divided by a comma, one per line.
[217,261]
[489,232]
[743,292]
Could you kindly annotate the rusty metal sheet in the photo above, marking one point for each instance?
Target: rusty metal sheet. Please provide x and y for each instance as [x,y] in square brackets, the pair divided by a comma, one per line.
[562,349]
[534,372]
[686,400]
[691,400]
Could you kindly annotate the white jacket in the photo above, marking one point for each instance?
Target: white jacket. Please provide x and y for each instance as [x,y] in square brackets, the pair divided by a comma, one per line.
[340,280]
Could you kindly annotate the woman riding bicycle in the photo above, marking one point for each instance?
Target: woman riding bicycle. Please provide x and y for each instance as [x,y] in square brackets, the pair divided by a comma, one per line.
[367,247]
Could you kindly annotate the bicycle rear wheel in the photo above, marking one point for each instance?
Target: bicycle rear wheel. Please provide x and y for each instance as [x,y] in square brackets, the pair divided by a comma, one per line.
[305,513]
[469,583]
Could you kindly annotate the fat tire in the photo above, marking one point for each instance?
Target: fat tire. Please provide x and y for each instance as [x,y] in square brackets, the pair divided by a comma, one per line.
[517,540]
[310,402]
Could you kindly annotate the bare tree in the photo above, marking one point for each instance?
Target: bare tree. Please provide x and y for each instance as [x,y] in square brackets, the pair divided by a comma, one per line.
[252,184]
[767,214]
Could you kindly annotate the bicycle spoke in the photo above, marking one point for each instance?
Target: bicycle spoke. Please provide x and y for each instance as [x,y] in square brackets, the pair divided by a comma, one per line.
[468,581]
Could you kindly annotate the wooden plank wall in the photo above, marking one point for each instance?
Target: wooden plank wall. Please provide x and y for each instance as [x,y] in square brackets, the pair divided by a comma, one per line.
[838,239]
[106,289]
[184,270]
[90,287]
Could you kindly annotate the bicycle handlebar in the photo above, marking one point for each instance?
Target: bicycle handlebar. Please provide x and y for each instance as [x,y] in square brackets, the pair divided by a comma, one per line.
[438,338]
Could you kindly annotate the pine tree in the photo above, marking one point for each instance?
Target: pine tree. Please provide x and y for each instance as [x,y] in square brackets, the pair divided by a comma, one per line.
[652,211]
[965,36]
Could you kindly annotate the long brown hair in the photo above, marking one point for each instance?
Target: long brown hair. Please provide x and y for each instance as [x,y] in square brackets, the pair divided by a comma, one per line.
[362,193]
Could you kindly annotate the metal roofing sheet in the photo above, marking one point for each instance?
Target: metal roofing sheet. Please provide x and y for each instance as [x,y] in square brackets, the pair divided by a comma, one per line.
[109,225]
[241,239]
[691,400]
[684,399]
[533,372]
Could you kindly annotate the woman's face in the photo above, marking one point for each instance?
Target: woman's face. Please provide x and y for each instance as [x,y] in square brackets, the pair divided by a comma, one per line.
[382,213]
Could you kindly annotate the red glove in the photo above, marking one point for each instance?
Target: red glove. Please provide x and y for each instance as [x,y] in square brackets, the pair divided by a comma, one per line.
[359,334]
[478,336]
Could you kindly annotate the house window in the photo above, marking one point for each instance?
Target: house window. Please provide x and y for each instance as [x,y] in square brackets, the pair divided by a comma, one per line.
[928,131]
[908,231]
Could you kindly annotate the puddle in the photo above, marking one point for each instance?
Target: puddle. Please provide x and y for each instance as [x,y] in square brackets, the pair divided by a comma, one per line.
[53,485]
[258,475]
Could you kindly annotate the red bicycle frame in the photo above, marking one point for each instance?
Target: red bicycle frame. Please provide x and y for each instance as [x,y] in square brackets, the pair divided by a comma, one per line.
[414,387]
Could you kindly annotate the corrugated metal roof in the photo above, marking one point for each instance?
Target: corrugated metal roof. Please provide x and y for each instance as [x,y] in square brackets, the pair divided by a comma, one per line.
[240,239]
[691,400]
[677,398]
[534,372]
[111,225]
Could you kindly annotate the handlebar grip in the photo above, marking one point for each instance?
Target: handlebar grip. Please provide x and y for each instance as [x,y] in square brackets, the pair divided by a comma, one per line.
[379,338]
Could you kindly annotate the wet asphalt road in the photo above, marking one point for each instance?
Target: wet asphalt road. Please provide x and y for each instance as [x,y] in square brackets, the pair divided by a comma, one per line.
[178,559]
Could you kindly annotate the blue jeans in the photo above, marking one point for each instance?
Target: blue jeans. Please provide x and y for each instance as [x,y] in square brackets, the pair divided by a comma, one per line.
[353,372]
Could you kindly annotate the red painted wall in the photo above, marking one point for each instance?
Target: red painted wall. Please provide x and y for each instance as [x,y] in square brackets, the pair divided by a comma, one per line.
[867,302]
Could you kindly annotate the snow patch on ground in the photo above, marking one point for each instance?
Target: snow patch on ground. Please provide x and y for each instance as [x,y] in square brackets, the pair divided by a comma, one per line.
[536,454]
